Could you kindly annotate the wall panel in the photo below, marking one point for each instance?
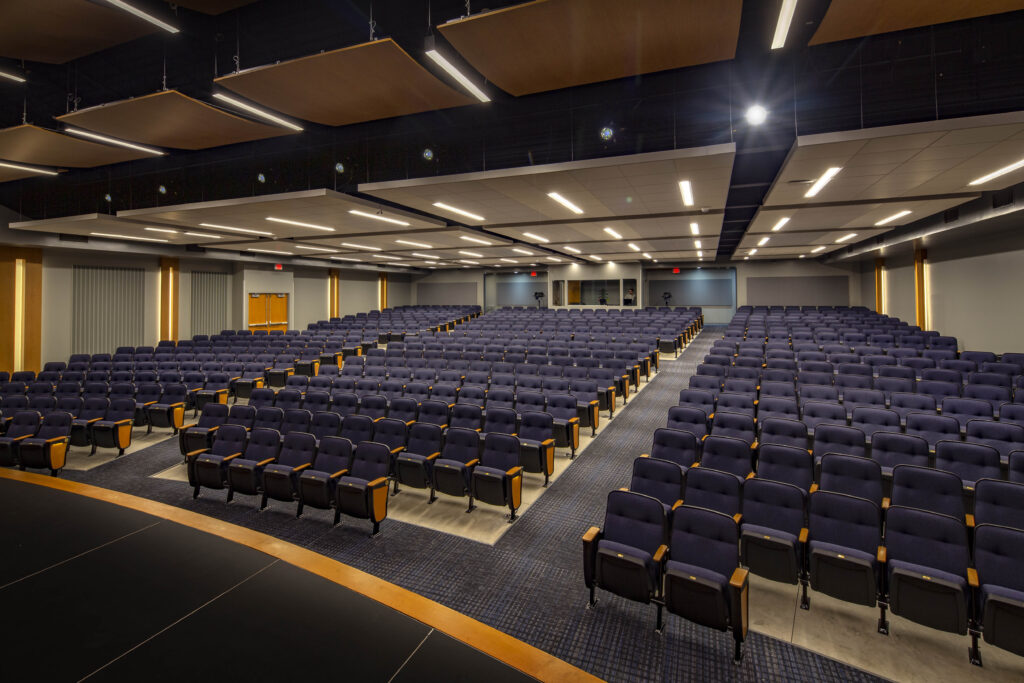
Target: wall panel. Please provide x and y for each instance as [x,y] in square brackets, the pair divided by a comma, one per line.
[108,308]
[210,293]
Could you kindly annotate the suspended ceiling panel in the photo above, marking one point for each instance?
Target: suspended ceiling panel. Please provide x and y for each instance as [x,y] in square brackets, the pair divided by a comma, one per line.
[857,18]
[33,145]
[917,160]
[170,119]
[57,31]
[109,227]
[850,216]
[8,174]
[376,80]
[212,6]
[552,44]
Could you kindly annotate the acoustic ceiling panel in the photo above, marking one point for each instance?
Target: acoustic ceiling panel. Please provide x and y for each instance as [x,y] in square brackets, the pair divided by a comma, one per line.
[847,19]
[57,31]
[8,174]
[365,82]
[552,44]
[33,145]
[170,119]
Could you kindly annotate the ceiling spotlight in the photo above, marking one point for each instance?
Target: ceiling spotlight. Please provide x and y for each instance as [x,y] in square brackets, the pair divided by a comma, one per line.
[233,229]
[686,189]
[572,250]
[531,236]
[30,169]
[763,241]
[782,222]
[756,115]
[260,178]
[995,174]
[817,249]
[607,133]
[471,253]
[113,141]
[565,202]
[613,233]
[823,181]
[428,154]
[752,252]
[461,212]
[339,167]
[378,217]
[803,255]
[450,69]
[474,239]
[894,217]
[746,258]
[256,111]
[694,229]
[162,189]
[120,4]
[107,198]
[633,247]
[420,245]
[312,226]
[353,245]
[846,237]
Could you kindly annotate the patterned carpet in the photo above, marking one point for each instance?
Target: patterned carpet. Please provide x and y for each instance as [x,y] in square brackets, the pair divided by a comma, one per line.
[530,584]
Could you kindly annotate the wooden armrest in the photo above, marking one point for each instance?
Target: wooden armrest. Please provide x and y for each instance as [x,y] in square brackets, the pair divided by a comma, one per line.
[377,483]
[970,521]
[814,487]
[972,577]
[623,488]
[678,503]
[121,422]
[660,553]
[232,457]
[149,403]
[739,577]
[703,437]
[264,463]
[339,473]
[738,517]
[515,471]
[473,463]
[882,555]
[885,503]
[573,419]
[803,535]
[190,426]
[594,403]
[56,439]
[645,455]
[95,419]
[397,450]
[547,442]
[434,456]
[749,476]
[302,467]
[195,454]
[175,405]
[591,534]
[753,446]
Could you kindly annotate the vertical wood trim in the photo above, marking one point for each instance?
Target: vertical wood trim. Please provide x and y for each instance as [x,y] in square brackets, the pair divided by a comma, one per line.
[32,343]
[333,294]
[28,338]
[879,267]
[169,299]
[920,312]
[7,309]
[383,299]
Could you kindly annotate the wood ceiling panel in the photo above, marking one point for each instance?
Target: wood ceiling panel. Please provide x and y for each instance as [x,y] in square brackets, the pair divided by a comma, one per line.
[847,19]
[171,119]
[9,174]
[33,145]
[552,44]
[376,80]
[57,31]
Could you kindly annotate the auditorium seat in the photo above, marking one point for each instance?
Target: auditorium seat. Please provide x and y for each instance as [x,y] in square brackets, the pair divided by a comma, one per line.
[414,465]
[245,474]
[199,435]
[853,476]
[208,468]
[772,537]
[933,428]
[999,502]
[787,464]
[673,445]
[925,488]
[115,429]
[453,470]
[317,484]
[968,461]
[536,435]
[363,491]
[357,428]
[708,488]
[47,448]
[998,557]
[1003,436]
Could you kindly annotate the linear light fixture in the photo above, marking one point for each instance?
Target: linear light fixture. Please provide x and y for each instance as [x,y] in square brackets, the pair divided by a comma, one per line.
[822,181]
[646,255]
[572,250]
[633,247]
[686,189]
[377,217]
[763,241]
[346,258]
[461,212]
[271,251]
[471,253]
[524,252]
[553,258]
[531,236]
[232,229]
[430,257]
[565,202]
[166,230]
[700,254]
[203,234]
[353,245]
[782,222]
[995,174]
[421,245]
[30,169]
[450,69]
[466,260]
[895,216]
[613,233]
[311,226]
[782,27]
[803,255]
[13,77]
[508,260]
[385,256]
[817,249]
[328,251]
[694,229]
[256,111]
[113,141]
[597,258]
[126,237]
[120,4]
[697,244]
[849,236]
[474,239]
[752,252]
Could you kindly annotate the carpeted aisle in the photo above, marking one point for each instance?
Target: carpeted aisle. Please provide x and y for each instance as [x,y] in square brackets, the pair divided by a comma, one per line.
[530,583]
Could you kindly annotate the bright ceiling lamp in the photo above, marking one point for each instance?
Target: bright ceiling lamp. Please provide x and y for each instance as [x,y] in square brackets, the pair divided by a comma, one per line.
[120,4]
[686,190]
[311,226]
[430,257]
[552,258]
[894,217]
[849,236]
[471,253]
[377,217]
[353,245]
[646,255]
[752,252]
[565,202]
[995,174]
[700,254]
[697,244]
[572,250]
[233,229]
[420,245]
[461,212]
[694,229]
[803,255]
[817,249]
[778,226]
[597,258]
[385,256]
[530,235]
[165,230]
[524,252]
[450,69]
[474,239]
[613,233]
[126,237]
[756,115]
[346,258]
[113,141]
[308,248]
[763,241]
[508,260]
[203,234]
[271,251]
[30,169]
[822,181]
[466,260]
[782,27]
[13,77]
[633,247]
[256,111]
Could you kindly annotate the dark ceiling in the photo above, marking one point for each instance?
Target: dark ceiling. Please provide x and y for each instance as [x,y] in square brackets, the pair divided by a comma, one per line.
[949,70]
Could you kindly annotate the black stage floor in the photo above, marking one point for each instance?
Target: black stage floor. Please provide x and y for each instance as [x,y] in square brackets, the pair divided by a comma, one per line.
[93,591]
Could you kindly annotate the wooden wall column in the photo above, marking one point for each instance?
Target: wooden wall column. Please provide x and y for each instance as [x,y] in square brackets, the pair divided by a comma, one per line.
[879,300]
[169,278]
[332,289]
[920,304]
[21,307]
[383,291]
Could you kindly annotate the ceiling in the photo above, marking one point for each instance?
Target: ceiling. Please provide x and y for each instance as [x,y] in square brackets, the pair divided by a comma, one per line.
[847,19]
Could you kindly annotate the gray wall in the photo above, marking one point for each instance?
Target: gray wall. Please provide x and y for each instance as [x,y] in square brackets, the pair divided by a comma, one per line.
[799,279]
[713,289]
[506,289]
[898,288]
[358,292]
[311,298]
[463,286]
[399,290]
[808,290]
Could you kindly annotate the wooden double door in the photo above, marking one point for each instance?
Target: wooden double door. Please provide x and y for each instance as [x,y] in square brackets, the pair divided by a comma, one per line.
[268,312]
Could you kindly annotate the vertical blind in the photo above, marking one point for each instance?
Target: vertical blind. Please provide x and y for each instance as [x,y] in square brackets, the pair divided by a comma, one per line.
[209,302]
[108,308]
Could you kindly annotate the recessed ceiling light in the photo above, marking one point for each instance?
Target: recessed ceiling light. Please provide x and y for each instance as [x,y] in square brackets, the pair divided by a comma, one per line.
[597,258]
[466,260]
[611,263]
[803,255]
[461,212]
[311,226]
[126,237]
[522,251]
[166,230]
[471,253]
[113,141]
[752,252]
[817,249]
[572,250]
[473,239]
[694,229]
[700,254]
[686,190]
[697,244]
[995,174]
[746,258]
[233,229]
[256,111]
[646,255]
[353,245]
[565,202]
[894,217]
[822,181]
[13,77]
[633,247]
[377,217]
[271,251]
[385,256]
[782,222]
[426,256]
[508,260]
[763,241]
[531,236]
[203,234]
[420,245]
[30,169]
[613,233]
[782,26]
[846,237]
[450,69]
[120,4]
[756,115]
[308,248]
[345,258]
[552,258]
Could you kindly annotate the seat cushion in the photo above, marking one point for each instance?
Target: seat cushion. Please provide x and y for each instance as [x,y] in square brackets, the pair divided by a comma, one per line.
[700,572]
[273,469]
[912,568]
[842,550]
[1000,591]
[767,531]
[630,551]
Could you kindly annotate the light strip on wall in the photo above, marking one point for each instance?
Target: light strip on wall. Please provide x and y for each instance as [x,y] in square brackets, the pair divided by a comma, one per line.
[995,174]
[120,4]
[126,237]
[247,231]
[328,251]
[311,226]
[894,217]
[614,234]
[13,77]
[419,245]
[353,245]
[822,181]
[694,229]
[686,190]
[849,236]
[565,202]
[474,239]
[782,27]
[378,217]
[782,222]
[450,69]
[19,314]
[30,169]
[461,212]
[256,111]
[114,141]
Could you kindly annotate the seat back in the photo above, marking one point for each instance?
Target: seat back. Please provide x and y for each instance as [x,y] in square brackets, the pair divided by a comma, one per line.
[714,490]
[999,502]
[831,438]
[774,505]
[324,424]
[370,460]
[263,444]
[890,449]
[461,445]
[999,555]
[727,454]
[844,520]
[333,454]
[297,449]
[928,489]
[787,464]
[390,432]
[230,439]
[659,479]
[500,420]
[268,417]
[241,415]
[706,538]
[675,446]
[501,451]
[853,476]
[424,439]
[968,461]
[927,539]
[636,520]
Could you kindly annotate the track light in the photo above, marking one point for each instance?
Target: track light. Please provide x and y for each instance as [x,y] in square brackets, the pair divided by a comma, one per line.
[256,111]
